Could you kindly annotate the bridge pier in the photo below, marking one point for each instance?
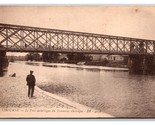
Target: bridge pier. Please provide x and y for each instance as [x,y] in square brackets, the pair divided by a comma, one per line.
[2,55]
[141,64]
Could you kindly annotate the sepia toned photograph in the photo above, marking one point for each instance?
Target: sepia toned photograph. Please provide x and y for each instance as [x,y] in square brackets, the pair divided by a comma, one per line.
[77,62]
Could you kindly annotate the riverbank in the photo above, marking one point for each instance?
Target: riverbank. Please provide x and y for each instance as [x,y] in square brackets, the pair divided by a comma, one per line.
[14,103]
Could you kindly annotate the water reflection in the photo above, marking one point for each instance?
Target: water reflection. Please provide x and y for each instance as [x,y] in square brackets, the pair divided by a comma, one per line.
[32,63]
[53,66]
[93,70]
[80,68]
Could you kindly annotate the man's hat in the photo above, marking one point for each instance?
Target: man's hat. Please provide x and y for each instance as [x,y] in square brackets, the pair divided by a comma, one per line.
[31,71]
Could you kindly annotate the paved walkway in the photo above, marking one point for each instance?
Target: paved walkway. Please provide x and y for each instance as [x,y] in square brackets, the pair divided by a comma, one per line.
[13,94]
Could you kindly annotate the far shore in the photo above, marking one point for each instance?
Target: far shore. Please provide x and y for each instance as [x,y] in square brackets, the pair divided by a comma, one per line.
[104,68]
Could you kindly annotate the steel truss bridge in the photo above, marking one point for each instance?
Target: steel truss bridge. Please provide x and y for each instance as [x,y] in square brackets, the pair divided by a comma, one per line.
[16,38]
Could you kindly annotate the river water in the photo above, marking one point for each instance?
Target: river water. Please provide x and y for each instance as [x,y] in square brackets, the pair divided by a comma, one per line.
[114,92]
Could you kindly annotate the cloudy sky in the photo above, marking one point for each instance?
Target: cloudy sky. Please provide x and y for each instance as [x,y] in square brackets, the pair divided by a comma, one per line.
[138,22]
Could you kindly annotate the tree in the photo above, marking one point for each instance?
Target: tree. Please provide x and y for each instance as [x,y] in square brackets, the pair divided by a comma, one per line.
[33,56]
[53,56]
[45,56]
[36,56]
[29,56]
[71,56]
[80,57]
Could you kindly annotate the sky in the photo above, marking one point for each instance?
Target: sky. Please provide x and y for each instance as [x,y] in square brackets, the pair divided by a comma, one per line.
[129,21]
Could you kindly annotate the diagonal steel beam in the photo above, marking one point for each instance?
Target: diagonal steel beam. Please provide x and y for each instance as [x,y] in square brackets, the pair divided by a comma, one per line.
[37,39]
[10,40]
[21,38]
[7,37]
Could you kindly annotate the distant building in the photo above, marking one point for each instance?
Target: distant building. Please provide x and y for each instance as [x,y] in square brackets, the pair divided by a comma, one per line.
[98,57]
[115,58]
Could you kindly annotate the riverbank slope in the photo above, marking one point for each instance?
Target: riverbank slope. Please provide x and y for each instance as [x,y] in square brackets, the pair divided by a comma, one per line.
[14,103]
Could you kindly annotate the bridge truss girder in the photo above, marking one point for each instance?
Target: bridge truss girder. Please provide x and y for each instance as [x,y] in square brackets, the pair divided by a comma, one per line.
[16,38]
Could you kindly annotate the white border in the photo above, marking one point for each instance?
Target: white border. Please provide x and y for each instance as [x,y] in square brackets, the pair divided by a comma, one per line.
[77,2]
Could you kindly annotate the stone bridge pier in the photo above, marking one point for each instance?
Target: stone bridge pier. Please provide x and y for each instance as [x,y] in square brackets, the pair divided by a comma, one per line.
[3,60]
[2,55]
[141,64]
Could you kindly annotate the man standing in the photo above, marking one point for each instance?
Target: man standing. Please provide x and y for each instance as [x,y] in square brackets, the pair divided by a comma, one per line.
[31,83]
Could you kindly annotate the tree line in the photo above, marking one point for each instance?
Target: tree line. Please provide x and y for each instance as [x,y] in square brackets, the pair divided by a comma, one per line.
[73,58]
[55,57]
